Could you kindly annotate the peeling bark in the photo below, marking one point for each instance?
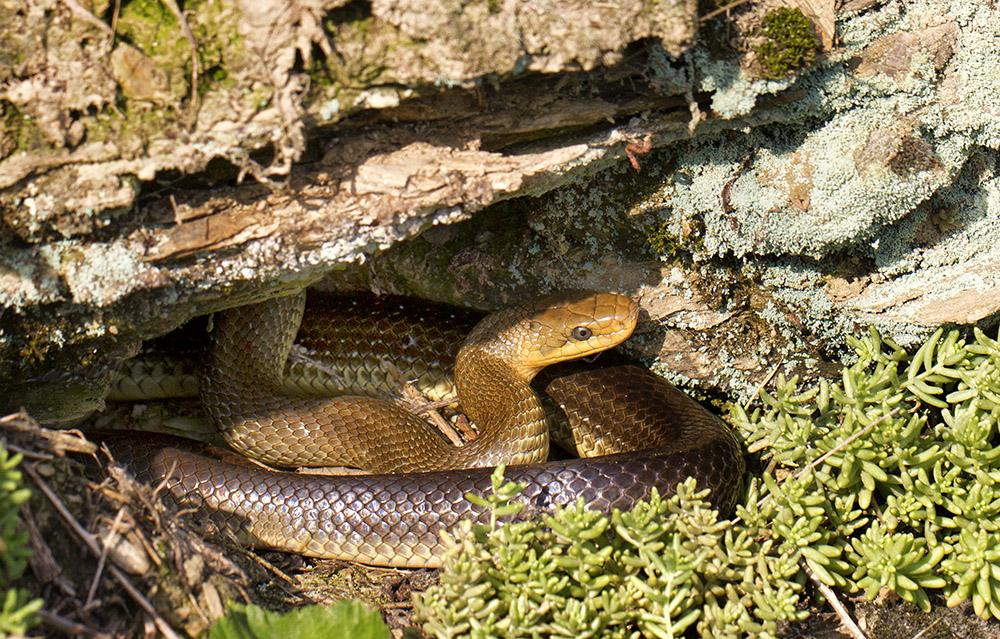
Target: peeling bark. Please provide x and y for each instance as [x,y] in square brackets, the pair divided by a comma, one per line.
[767,220]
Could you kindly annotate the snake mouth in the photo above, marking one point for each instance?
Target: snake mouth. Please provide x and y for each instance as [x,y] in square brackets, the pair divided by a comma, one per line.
[582,327]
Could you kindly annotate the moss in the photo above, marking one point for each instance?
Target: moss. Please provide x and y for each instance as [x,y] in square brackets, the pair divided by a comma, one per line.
[790,43]
[150,26]
[365,46]
[154,30]
[665,243]
[220,46]
[22,128]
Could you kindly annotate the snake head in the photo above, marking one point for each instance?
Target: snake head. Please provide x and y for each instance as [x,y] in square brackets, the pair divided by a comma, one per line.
[532,335]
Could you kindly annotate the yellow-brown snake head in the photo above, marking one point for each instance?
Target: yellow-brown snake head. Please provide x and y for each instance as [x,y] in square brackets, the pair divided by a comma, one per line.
[556,328]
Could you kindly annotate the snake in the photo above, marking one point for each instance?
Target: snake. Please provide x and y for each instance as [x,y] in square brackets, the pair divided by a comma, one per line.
[638,431]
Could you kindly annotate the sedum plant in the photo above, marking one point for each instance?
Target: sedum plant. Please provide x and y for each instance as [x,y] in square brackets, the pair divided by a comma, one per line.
[18,611]
[885,481]
[654,571]
[341,620]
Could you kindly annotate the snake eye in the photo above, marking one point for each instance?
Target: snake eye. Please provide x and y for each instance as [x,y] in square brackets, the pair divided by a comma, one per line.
[581,333]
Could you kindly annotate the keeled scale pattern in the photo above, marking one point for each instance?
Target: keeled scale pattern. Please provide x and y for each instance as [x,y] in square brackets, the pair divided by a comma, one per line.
[396,519]
[243,389]
[393,520]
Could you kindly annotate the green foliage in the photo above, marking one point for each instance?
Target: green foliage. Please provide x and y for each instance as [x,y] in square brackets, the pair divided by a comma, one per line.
[665,243]
[664,566]
[790,43]
[342,620]
[889,481]
[17,614]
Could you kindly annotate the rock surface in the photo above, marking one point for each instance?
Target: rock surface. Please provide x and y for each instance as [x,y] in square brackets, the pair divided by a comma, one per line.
[767,219]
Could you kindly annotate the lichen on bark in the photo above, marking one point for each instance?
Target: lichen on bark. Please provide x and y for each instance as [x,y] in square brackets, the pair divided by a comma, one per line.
[797,204]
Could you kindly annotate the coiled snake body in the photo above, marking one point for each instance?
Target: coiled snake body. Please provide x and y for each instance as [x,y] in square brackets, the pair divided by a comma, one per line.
[395,517]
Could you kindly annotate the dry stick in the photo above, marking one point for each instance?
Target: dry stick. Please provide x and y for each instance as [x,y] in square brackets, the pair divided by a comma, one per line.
[840,446]
[58,442]
[42,561]
[29,454]
[88,17]
[197,607]
[819,460]
[69,627]
[828,592]
[102,560]
[267,565]
[439,422]
[842,613]
[141,538]
[186,30]
[764,382]
[297,355]
[92,545]
[732,5]
[927,629]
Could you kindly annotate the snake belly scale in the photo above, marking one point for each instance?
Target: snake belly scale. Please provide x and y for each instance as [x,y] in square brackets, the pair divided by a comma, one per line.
[395,517]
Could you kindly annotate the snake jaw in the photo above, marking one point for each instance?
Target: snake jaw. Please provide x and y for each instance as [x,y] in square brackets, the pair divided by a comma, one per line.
[529,336]
[580,328]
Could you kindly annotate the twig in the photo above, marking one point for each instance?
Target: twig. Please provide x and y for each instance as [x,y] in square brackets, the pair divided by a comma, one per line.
[297,355]
[764,382]
[197,607]
[831,596]
[93,546]
[267,565]
[414,395]
[88,17]
[69,627]
[927,629]
[819,460]
[186,30]
[178,220]
[29,454]
[104,556]
[58,442]
[711,14]
[43,563]
[840,446]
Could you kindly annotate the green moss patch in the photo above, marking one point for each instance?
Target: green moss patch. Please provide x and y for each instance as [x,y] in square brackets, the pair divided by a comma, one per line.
[790,43]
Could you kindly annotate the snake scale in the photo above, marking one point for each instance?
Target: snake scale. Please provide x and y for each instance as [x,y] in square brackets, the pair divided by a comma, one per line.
[395,517]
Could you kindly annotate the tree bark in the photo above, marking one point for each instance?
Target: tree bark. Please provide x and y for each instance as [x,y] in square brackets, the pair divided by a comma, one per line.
[158,165]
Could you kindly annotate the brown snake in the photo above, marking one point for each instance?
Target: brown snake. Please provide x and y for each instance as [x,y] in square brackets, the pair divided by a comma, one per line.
[396,519]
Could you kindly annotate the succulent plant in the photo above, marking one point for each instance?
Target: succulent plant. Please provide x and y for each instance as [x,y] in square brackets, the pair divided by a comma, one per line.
[887,480]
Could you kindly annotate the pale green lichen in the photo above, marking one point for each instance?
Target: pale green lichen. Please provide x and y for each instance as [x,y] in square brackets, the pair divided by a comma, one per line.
[889,484]
[804,189]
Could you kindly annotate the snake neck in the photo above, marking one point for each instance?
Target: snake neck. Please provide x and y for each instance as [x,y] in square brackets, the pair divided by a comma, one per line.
[245,362]
[257,339]
[499,399]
